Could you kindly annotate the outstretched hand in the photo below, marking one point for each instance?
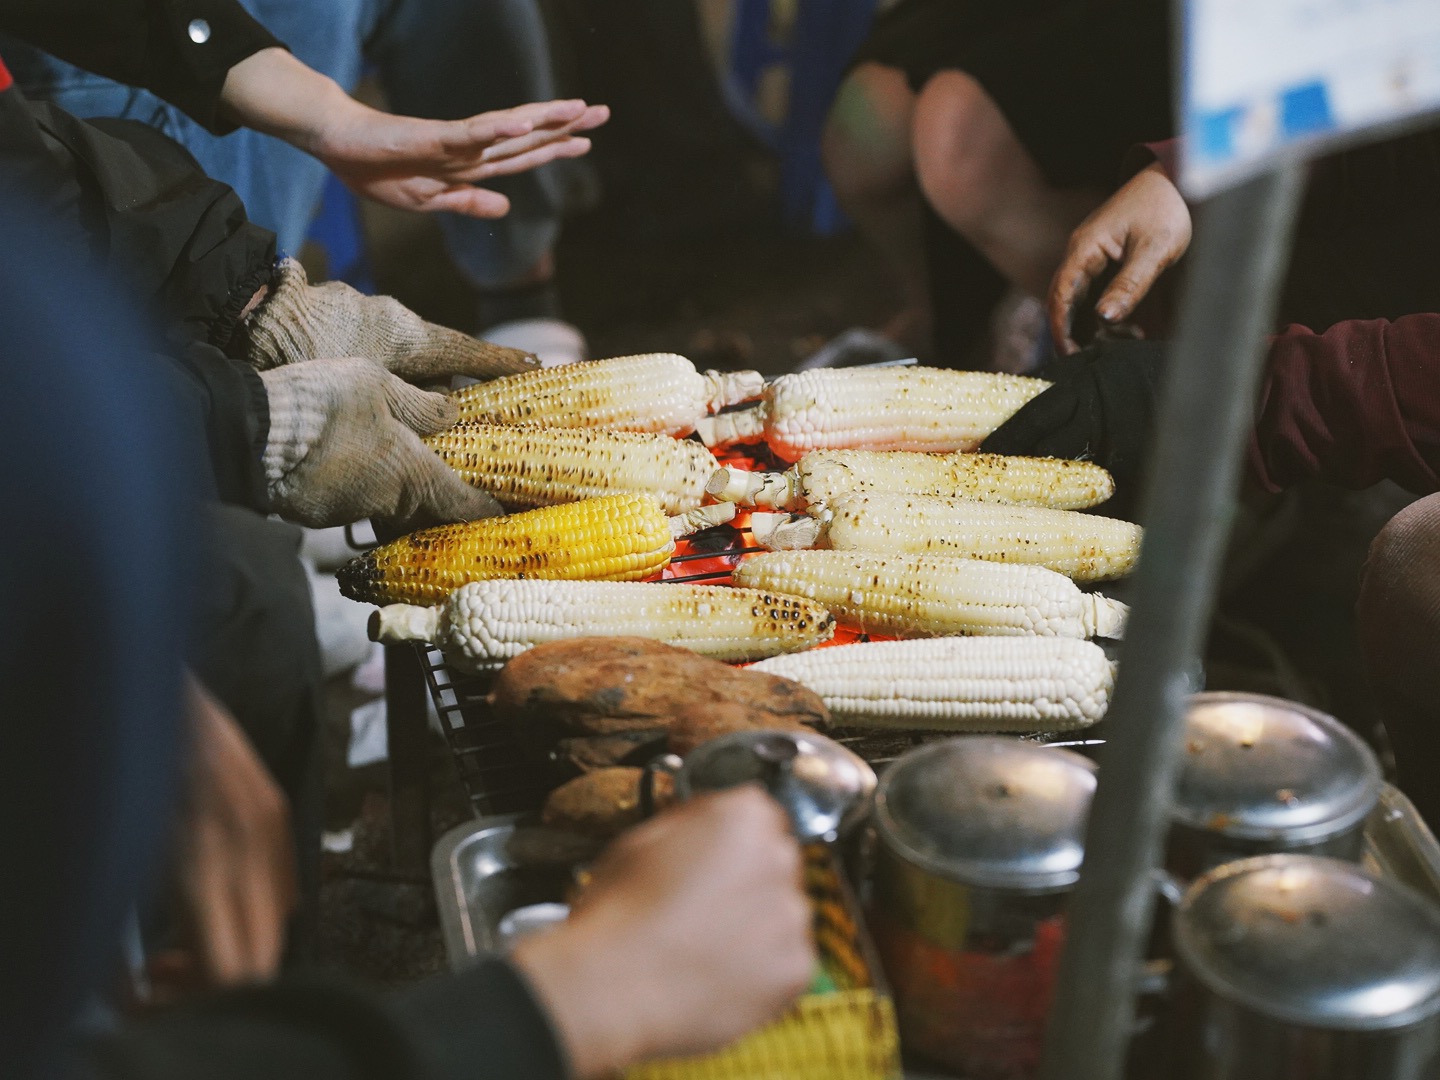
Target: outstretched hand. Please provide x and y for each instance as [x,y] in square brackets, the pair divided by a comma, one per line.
[403,161]
[1145,227]
[430,165]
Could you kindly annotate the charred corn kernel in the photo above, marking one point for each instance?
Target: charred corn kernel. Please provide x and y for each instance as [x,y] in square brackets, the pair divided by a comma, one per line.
[849,1035]
[1083,547]
[527,466]
[958,683]
[824,475]
[655,392]
[933,595]
[616,538]
[487,622]
[912,408]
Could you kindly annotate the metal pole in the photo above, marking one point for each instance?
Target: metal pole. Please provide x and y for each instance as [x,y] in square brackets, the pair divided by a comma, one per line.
[1236,266]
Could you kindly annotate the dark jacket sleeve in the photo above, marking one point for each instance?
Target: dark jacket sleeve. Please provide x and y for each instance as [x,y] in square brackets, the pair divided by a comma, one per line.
[1355,405]
[481,1024]
[176,243]
[179,49]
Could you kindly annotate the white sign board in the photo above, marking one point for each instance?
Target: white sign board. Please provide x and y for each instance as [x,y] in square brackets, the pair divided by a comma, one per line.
[1269,78]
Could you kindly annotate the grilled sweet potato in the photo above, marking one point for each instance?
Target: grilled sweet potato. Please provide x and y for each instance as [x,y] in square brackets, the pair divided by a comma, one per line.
[622,685]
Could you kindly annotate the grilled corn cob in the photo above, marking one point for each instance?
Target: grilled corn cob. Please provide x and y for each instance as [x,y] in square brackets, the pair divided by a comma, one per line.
[1083,547]
[526,466]
[913,408]
[655,392]
[487,622]
[934,595]
[823,475]
[958,684]
[616,538]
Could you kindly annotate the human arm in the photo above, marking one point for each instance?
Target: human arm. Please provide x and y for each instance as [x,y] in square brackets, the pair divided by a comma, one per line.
[693,931]
[147,43]
[1354,405]
[1351,406]
[401,161]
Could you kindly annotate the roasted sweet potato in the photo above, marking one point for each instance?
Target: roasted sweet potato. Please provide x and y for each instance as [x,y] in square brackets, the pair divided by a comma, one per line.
[600,804]
[622,685]
[711,719]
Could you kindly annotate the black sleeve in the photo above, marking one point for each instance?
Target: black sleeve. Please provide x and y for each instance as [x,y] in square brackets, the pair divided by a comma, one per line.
[478,1025]
[179,49]
[175,243]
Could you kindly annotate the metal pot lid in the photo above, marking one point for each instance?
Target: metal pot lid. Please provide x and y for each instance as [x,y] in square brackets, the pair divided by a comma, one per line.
[990,812]
[1260,767]
[823,786]
[1311,941]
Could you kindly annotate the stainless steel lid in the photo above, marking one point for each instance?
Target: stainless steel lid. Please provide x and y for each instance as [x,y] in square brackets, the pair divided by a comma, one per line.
[990,812]
[1260,768]
[1311,941]
[822,785]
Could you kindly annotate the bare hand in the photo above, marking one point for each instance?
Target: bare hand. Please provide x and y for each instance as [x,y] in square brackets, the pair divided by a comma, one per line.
[237,868]
[403,161]
[1145,226]
[430,165]
[694,931]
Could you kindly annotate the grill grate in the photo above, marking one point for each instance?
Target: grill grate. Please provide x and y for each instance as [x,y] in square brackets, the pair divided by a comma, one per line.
[498,776]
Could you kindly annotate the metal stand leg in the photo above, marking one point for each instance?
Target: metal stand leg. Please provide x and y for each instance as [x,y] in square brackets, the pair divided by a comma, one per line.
[409,740]
[1241,249]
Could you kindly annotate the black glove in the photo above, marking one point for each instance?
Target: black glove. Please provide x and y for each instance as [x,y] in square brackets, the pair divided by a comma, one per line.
[1101,408]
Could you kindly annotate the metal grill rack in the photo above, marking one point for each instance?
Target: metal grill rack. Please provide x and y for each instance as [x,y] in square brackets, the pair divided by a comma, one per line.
[500,779]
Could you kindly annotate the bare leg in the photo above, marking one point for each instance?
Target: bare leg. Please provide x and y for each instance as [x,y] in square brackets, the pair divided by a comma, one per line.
[866,147]
[1398,620]
[985,185]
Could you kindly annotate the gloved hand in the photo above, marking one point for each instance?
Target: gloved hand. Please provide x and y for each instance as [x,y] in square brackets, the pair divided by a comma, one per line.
[344,445]
[299,321]
[1101,408]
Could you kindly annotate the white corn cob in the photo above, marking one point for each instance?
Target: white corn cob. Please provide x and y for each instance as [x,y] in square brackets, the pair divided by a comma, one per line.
[660,393]
[1083,547]
[912,408]
[958,683]
[525,466]
[934,595]
[824,475]
[487,622]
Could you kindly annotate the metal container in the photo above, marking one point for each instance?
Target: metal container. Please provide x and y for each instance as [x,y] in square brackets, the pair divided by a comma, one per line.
[1262,775]
[824,788]
[979,842]
[488,870]
[1297,966]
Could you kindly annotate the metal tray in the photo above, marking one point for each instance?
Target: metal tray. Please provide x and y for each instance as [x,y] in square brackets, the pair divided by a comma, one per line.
[485,869]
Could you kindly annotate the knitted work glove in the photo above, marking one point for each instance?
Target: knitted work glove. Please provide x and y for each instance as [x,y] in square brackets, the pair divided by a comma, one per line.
[299,321]
[344,445]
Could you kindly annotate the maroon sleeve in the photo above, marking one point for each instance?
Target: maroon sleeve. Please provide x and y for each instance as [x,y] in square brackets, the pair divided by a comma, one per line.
[1355,405]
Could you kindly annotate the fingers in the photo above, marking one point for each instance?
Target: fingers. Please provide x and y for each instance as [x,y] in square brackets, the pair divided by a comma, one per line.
[476,202]
[432,493]
[1135,279]
[1085,260]
[560,148]
[475,132]
[419,410]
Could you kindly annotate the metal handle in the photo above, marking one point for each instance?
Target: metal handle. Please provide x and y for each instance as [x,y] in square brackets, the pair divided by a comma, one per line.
[670,765]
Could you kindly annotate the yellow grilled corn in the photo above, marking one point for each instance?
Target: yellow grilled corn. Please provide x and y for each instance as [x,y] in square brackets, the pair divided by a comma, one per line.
[615,538]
